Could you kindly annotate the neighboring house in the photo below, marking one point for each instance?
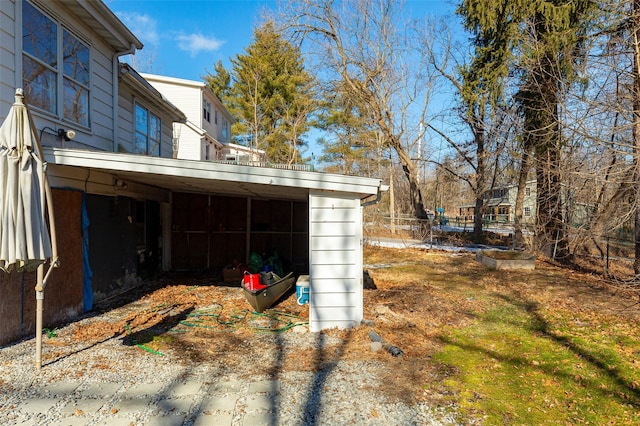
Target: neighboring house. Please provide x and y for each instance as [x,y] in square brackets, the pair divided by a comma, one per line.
[124,211]
[243,154]
[500,205]
[208,125]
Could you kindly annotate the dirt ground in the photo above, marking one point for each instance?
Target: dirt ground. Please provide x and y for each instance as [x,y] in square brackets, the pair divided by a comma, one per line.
[416,294]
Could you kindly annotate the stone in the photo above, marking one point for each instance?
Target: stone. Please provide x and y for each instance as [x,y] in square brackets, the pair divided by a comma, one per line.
[376,346]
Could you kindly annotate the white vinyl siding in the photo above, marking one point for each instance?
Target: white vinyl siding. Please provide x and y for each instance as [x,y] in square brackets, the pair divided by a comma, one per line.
[189,100]
[7,57]
[194,99]
[335,261]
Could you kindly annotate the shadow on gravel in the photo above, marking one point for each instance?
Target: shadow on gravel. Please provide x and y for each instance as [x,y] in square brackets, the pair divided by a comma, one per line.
[141,337]
[325,361]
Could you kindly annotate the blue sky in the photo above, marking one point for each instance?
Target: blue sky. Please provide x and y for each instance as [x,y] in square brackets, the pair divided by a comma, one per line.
[185,38]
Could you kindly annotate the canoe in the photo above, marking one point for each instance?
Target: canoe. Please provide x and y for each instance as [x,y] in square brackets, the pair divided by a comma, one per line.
[262,297]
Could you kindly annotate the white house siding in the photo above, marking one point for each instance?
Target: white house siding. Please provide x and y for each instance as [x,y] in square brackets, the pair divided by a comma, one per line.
[209,126]
[125,120]
[102,98]
[189,143]
[335,260]
[7,57]
[188,98]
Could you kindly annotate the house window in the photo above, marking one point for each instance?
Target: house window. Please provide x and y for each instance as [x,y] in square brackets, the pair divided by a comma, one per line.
[224,128]
[527,211]
[207,152]
[206,111]
[147,138]
[216,117]
[527,192]
[55,66]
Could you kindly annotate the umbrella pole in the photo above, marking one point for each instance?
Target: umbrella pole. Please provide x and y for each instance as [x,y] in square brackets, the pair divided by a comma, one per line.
[39,310]
[47,199]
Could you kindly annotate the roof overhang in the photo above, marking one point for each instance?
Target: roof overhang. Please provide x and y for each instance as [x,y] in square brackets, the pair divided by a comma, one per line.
[212,178]
[104,22]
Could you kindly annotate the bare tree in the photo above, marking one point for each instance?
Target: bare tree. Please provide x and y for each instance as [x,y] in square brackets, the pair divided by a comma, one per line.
[369,54]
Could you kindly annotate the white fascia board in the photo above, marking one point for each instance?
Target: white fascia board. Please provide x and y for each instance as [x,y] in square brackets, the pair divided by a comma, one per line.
[196,129]
[211,170]
[172,80]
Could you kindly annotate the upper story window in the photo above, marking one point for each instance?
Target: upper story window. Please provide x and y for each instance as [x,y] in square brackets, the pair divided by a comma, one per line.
[527,191]
[148,132]
[216,116]
[55,63]
[225,126]
[206,111]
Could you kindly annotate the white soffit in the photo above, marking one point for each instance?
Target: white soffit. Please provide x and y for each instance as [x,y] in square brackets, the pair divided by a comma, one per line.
[211,177]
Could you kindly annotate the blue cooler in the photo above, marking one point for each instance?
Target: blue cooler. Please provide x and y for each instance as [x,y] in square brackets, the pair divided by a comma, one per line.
[302,289]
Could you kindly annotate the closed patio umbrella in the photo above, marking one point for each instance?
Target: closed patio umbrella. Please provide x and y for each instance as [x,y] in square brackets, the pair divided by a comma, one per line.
[25,243]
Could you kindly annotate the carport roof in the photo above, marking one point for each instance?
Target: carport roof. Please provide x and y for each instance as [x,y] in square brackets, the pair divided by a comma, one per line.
[211,177]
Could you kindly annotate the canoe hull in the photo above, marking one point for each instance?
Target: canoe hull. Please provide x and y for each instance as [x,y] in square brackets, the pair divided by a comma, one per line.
[261,300]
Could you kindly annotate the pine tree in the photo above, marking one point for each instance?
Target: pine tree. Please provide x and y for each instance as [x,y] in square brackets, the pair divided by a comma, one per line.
[271,95]
[219,82]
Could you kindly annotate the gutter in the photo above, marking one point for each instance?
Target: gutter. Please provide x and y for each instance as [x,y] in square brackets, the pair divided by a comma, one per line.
[381,189]
[115,93]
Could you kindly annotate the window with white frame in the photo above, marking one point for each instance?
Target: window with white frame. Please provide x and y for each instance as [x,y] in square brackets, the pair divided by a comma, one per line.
[527,211]
[55,64]
[206,111]
[148,132]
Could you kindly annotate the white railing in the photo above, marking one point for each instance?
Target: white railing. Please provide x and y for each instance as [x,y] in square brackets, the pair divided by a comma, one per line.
[298,167]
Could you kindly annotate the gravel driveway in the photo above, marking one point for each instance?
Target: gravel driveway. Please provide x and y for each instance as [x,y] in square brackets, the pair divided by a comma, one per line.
[107,380]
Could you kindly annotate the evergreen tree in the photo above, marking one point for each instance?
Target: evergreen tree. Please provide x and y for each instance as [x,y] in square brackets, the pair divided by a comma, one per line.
[271,95]
[547,35]
[219,82]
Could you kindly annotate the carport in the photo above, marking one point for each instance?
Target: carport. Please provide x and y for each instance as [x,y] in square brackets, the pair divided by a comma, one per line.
[212,214]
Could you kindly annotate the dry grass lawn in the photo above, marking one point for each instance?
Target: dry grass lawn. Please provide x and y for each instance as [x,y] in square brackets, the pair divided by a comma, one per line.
[420,297]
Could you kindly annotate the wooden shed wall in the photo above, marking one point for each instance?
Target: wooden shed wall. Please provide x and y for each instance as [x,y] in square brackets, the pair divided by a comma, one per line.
[212,231]
[63,294]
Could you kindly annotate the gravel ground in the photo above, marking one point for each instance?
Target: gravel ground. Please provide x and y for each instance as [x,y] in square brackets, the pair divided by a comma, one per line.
[338,393]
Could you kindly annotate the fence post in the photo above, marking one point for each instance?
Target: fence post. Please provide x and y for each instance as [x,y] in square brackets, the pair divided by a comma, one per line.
[606,268]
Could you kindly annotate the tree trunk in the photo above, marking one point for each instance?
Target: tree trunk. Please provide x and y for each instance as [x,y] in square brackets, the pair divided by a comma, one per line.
[542,128]
[481,178]
[636,130]
[410,172]
[522,185]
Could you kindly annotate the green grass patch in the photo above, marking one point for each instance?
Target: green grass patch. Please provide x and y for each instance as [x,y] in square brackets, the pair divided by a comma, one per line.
[519,363]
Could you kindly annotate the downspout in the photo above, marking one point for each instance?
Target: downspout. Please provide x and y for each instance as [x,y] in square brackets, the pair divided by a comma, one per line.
[115,93]
[381,189]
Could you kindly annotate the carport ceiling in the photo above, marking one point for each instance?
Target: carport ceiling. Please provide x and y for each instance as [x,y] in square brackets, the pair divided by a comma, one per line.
[212,186]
